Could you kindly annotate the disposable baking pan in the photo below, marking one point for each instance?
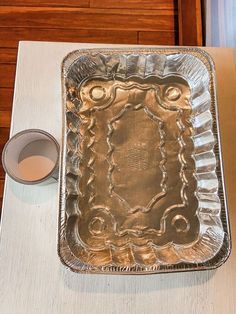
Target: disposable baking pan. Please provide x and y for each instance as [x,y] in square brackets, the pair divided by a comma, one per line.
[141,184]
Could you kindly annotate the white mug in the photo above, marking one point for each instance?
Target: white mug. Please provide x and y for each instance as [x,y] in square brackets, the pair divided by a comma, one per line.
[31,157]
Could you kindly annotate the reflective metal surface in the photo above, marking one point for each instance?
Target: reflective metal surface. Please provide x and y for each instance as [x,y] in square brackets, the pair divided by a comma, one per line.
[141,178]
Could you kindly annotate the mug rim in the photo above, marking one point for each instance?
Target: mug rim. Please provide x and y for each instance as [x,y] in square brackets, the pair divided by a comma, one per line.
[15,136]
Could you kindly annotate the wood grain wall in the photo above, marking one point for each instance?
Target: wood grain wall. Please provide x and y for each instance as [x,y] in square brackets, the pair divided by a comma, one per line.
[96,21]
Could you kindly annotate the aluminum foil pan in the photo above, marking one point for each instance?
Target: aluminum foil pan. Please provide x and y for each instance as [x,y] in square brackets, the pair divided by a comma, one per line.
[141,179]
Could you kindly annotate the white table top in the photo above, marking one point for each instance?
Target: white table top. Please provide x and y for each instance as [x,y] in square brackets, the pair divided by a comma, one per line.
[32,278]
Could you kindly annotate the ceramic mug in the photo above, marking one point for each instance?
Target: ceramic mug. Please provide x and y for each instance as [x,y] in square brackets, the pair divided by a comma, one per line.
[31,157]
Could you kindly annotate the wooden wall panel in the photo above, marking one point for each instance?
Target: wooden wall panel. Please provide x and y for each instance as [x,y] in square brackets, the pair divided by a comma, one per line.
[1,194]
[163,38]
[6,96]
[47,3]
[190,22]
[67,35]
[4,134]
[121,19]
[8,55]
[5,119]
[134,4]
[2,176]
[7,75]
[1,187]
